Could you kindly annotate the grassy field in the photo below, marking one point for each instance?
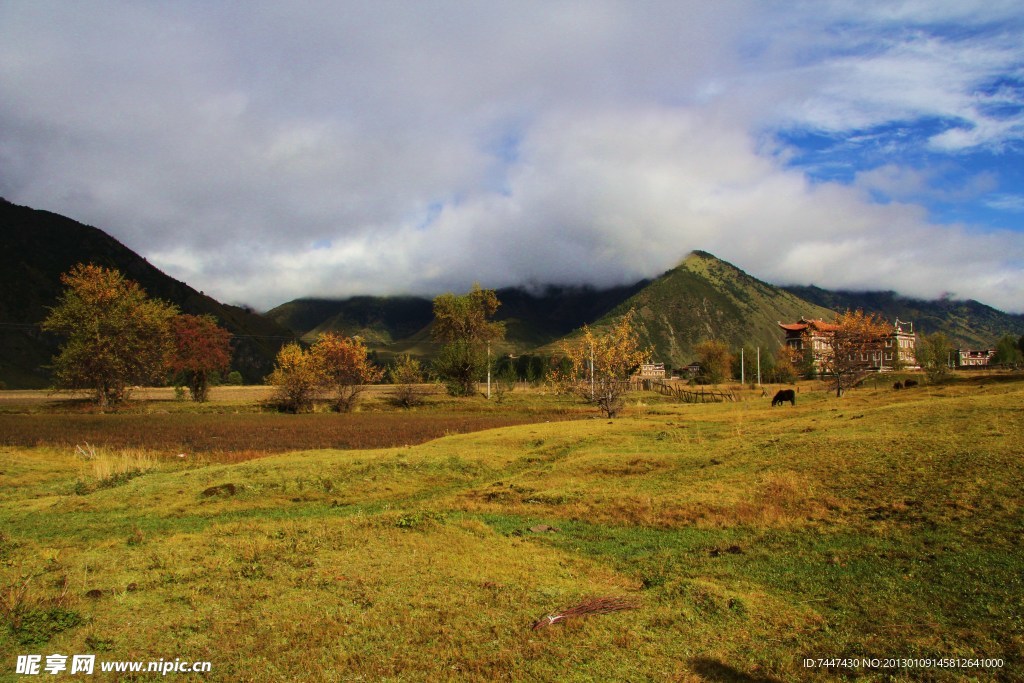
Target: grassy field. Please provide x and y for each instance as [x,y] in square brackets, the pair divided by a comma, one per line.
[743,539]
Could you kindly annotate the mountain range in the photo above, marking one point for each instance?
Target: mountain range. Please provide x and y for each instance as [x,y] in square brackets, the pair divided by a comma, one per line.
[701,298]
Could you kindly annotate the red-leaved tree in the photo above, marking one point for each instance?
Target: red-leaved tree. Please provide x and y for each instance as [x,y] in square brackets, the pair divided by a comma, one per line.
[202,347]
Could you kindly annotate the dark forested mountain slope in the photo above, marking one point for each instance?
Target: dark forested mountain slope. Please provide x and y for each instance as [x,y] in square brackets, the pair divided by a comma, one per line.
[36,247]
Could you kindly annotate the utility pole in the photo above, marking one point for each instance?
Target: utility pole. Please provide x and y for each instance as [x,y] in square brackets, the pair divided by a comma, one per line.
[758,366]
[743,368]
[488,370]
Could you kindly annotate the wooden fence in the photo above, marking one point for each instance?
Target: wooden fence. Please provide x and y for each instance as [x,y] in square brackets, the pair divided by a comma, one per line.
[686,395]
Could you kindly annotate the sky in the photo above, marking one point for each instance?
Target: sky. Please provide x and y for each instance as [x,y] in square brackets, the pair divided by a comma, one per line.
[264,151]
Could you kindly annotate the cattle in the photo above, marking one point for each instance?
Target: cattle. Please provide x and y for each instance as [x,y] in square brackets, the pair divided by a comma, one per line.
[897,386]
[909,383]
[784,395]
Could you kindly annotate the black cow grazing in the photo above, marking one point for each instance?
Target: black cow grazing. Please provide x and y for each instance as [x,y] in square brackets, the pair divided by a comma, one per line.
[784,395]
[897,386]
[909,383]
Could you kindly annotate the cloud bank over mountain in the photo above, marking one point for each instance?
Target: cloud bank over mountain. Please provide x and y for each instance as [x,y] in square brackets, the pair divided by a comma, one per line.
[267,152]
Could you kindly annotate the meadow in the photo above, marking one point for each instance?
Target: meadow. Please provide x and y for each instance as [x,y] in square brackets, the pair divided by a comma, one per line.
[736,540]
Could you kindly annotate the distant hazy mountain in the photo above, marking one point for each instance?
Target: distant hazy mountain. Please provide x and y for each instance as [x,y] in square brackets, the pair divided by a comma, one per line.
[36,247]
[969,324]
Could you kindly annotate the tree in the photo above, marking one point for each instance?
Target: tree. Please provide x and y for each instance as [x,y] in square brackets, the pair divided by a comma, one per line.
[1007,352]
[344,368]
[463,324]
[117,337]
[201,349]
[407,376]
[599,365]
[853,336]
[932,353]
[296,379]
[505,379]
[787,360]
[715,360]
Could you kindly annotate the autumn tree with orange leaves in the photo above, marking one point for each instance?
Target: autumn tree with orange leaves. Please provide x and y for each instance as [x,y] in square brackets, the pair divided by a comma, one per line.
[345,368]
[600,364]
[855,335]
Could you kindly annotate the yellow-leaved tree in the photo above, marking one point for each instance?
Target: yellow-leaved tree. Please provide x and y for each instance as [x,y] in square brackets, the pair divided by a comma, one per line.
[296,379]
[463,323]
[853,337]
[599,364]
[116,336]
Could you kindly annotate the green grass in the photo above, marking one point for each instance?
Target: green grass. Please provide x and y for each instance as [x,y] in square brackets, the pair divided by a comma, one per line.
[883,524]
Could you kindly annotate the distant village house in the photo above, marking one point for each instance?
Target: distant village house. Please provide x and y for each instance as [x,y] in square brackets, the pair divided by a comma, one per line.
[968,358]
[693,369]
[650,371]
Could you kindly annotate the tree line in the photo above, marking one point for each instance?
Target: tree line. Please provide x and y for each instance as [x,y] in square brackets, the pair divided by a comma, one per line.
[118,338]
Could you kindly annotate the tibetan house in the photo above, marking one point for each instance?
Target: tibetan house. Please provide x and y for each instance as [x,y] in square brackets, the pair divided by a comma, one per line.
[893,351]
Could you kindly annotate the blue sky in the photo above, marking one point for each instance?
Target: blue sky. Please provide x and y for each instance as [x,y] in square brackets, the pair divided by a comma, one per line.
[270,150]
[982,188]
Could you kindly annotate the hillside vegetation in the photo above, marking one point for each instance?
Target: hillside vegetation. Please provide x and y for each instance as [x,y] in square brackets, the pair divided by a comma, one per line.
[747,538]
[400,324]
[707,298]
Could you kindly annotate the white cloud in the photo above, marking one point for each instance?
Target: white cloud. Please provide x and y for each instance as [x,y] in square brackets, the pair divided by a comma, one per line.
[1006,202]
[424,146]
[916,184]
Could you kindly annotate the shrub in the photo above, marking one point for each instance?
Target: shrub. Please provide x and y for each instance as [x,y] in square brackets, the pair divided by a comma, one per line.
[296,379]
[407,376]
